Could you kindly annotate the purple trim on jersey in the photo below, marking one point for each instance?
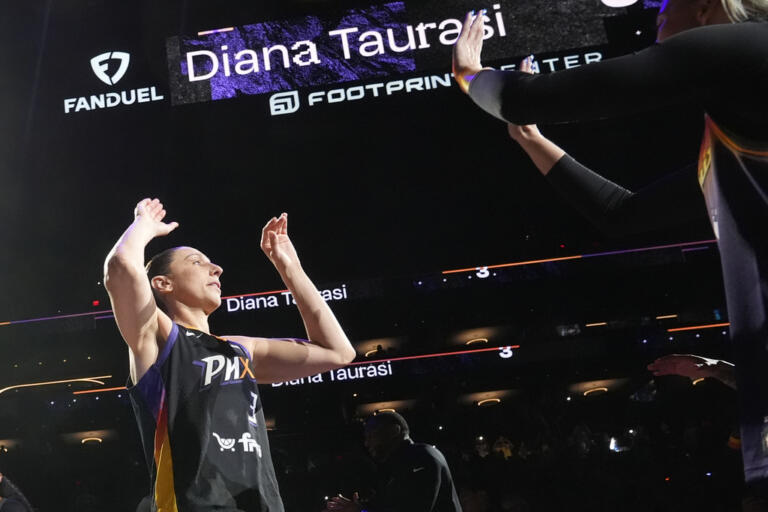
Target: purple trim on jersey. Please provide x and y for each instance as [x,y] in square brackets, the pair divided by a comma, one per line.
[245,351]
[151,385]
[202,370]
[168,345]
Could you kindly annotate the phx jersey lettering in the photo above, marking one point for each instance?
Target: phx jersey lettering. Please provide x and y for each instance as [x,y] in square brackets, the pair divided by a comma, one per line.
[202,426]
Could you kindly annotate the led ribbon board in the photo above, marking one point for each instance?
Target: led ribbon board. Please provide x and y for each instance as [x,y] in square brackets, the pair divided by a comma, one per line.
[366,43]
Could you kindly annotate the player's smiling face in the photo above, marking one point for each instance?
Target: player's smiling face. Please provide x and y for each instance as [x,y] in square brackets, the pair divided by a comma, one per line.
[196,279]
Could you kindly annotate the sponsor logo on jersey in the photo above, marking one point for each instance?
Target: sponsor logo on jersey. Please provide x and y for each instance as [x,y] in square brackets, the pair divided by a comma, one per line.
[225,443]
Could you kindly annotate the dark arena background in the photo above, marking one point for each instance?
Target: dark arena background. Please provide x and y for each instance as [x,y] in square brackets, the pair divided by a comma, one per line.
[510,332]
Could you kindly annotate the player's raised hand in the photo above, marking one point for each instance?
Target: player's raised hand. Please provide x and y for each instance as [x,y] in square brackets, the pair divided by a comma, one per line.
[150,213]
[467,50]
[276,244]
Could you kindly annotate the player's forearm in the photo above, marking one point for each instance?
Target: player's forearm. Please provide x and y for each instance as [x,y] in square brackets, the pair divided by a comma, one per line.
[543,152]
[128,252]
[321,324]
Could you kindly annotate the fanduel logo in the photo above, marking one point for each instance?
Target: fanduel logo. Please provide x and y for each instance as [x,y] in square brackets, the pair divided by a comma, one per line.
[98,63]
[100,67]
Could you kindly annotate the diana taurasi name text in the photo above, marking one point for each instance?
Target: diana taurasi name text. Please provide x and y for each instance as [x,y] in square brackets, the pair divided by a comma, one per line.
[369,371]
[111,99]
[279,299]
[305,53]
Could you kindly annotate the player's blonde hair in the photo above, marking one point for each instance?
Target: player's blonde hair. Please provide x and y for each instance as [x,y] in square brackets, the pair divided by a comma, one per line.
[744,10]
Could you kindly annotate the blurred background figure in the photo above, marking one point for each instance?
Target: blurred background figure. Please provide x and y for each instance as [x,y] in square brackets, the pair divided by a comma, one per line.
[11,498]
[695,367]
[410,476]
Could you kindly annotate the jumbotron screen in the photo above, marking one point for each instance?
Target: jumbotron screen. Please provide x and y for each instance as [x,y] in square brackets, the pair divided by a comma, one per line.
[345,115]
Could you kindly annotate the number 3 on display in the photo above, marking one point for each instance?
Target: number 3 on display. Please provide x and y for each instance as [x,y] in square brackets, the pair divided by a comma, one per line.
[505,352]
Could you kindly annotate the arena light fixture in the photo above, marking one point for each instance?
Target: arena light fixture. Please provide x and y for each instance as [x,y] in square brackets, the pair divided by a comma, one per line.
[100,390]
[93,380]
[489,401]
[694,327]
[215,31]
[601,389]
[91,440]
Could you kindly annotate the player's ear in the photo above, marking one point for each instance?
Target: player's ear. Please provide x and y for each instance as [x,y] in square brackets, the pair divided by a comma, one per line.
[707,11]
[162,284]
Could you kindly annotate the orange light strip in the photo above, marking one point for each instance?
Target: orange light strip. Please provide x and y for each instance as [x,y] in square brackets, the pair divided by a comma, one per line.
[90,439]
[664,317]
[98,390]
[49,383]
[697,381]
[489,401]
[5,323]
[596,324]
[516,264]
[694,327]
[595,390]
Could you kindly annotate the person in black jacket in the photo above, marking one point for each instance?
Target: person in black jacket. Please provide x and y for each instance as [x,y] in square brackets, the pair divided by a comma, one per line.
[11,498]
[411,477]
[702,46]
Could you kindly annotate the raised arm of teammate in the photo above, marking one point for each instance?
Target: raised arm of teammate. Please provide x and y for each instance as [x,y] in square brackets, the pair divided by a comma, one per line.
[694,67]
[611,207]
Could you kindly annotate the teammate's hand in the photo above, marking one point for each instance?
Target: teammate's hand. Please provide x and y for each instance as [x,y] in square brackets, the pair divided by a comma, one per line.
[150,213]
[521,133]
[687,365]
[276,244]
[341,504]
[467,50]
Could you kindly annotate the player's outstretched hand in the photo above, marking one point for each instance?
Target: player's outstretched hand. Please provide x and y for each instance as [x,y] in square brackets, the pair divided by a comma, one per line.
[467,50]
[276,244]
[150,213]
